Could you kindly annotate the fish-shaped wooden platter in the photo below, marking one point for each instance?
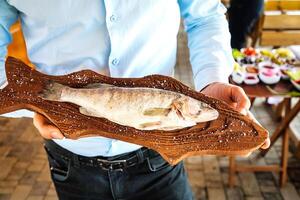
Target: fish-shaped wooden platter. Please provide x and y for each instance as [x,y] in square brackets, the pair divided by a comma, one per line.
[230,134]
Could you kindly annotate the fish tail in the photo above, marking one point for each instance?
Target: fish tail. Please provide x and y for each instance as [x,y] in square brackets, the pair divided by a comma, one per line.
[21,80]
[52,91]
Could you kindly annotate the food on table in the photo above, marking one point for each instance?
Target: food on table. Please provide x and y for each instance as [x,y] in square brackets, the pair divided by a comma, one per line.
[249,51]
[238,74]
[283,70]
[266,53]
[251,69]
[260,59]
[251,58]
[141,108]
[277,61]
[251,76]
[284,75]
[248,60]
[251,55]
[284,53]
[237,55]
[283,56]
[294,74]
[269,73]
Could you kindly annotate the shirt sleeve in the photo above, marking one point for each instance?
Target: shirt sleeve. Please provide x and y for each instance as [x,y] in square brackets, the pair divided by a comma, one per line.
[208,41]
[8,16]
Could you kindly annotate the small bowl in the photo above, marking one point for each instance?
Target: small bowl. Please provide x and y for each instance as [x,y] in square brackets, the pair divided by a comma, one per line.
[265,78]
[251,79]
[238,77]
[269,73]
[268,67]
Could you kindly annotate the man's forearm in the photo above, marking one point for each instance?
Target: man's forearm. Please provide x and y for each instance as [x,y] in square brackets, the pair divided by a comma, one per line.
[210,52]
[208,40]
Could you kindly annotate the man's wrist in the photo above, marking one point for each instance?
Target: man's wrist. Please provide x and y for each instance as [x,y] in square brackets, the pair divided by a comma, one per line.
[209,75]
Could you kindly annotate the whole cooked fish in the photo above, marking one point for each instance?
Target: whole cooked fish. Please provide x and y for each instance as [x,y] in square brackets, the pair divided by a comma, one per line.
[141,108]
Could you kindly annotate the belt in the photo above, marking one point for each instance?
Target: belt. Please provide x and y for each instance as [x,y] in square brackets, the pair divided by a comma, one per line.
[118,163]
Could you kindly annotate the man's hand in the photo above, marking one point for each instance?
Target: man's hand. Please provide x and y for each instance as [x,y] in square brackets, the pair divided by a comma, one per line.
[46,128]
[235,97]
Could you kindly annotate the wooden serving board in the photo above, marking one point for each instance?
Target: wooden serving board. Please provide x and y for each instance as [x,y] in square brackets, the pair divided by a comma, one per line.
[231,134]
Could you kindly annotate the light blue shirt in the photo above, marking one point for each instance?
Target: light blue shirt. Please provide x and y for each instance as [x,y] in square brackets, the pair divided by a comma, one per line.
[119,38]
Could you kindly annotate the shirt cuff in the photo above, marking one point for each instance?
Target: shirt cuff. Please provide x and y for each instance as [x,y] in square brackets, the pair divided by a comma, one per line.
[209,75]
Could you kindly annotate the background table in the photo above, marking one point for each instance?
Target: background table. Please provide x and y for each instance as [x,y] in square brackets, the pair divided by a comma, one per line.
[261,90]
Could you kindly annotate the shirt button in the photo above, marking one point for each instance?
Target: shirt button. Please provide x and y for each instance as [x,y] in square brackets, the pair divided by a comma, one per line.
[115,61]
[113,18]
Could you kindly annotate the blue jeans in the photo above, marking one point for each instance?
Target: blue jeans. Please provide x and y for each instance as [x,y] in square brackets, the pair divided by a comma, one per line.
[152,179]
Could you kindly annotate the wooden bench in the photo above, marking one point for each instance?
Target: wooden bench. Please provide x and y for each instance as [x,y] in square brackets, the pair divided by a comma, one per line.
[279,25]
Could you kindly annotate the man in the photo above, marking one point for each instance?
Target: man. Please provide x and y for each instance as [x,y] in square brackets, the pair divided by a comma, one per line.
[120,39]
[243,14]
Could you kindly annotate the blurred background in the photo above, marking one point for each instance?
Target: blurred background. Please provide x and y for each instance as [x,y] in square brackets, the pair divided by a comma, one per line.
[262,32]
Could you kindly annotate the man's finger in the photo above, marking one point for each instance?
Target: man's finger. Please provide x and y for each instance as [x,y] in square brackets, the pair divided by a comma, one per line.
[251,116]
[266,144]
[46,129]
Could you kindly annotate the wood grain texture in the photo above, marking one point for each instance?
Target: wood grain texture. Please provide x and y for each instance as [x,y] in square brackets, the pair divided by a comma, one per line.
[282,5]
[231,134]
[280,38]
[282,22]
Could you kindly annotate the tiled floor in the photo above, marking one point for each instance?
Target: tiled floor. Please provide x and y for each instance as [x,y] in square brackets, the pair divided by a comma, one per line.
[24,171]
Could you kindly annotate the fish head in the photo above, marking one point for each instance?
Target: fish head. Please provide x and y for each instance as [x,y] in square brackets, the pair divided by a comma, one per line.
[196,110]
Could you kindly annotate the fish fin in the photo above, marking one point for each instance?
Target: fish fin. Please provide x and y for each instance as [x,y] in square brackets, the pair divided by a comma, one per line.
[98,85]
[148,125]
[177,107]
[52,91]
[157,111]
